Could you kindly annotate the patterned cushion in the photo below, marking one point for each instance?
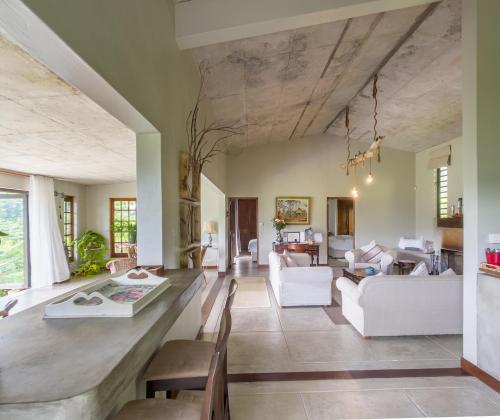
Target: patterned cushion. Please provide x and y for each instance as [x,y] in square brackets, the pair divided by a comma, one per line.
[373,254]
[449,272]
[420,270]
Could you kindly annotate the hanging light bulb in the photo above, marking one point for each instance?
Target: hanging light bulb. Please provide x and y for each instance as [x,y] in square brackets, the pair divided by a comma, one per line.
[369,178]
[354,192]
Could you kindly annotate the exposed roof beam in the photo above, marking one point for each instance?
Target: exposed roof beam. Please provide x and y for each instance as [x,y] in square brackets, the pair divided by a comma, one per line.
[200,22]
[424,15]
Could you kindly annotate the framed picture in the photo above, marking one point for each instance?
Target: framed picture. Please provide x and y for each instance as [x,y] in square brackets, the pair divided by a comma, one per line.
[294,210]
[292,236]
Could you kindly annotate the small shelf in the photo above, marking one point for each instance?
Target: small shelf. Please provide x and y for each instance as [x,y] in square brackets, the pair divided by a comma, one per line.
[451,222]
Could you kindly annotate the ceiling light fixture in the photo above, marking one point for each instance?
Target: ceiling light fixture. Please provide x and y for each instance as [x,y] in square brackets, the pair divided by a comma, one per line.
[369,178]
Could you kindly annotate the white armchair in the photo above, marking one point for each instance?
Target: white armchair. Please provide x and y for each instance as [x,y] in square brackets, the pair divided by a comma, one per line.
[354,258]
[302,285]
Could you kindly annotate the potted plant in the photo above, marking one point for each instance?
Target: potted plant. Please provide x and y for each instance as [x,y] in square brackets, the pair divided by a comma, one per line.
[279,225]
[91,250]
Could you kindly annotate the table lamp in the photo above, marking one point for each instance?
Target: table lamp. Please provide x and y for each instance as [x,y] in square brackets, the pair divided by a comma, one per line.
[210,228]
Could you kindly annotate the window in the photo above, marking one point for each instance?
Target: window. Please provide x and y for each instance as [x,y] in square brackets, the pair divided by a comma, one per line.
[442,192]
[14,271]
[123,225]
[69,226]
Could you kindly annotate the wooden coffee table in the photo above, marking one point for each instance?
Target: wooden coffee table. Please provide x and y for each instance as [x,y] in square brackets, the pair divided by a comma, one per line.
[406,266]
[355,275]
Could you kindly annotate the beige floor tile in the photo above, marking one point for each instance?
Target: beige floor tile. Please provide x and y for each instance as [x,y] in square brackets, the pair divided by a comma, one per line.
[267,407]
[252,320]
[452,343]
[326,346]
[451,402]
[406,348]
[305,319]
[359,405]
[267,349]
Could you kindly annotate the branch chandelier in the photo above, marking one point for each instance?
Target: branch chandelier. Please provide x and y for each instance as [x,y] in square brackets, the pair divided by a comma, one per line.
[360,158]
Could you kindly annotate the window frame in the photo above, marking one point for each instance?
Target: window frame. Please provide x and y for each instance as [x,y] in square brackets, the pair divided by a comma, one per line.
[112,242]
[26,234]
[439,188]
[69,199]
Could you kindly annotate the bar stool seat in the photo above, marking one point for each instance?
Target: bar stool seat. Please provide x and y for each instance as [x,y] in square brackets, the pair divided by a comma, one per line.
[179,359]
[153,409]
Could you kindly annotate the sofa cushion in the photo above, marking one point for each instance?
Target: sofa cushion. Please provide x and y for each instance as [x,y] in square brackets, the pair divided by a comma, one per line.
[420,270]
[448,272]
[283,261]
[373,254]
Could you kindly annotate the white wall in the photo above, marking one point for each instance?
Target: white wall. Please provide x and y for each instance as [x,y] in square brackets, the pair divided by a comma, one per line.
[311,167]
[426,194]
[14,182]
[78,191]
[98,196]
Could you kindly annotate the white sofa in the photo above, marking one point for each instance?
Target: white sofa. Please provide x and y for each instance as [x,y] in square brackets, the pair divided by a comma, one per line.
[403,305]
[252,248]
[353,257]
[300,286]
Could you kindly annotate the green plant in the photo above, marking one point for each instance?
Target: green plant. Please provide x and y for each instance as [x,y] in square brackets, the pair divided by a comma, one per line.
[127,228]
[279,224]
[91,250]
[2,234]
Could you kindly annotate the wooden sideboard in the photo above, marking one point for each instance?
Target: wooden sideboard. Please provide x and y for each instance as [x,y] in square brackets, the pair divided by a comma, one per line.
[311,249]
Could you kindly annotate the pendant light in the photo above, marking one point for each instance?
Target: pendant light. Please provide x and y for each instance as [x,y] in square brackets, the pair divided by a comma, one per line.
[369,178]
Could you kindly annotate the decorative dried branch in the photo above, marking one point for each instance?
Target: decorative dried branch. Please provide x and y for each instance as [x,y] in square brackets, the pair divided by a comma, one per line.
[206,142]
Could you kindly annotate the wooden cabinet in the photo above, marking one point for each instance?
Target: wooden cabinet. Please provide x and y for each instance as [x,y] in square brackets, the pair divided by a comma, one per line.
[299,247]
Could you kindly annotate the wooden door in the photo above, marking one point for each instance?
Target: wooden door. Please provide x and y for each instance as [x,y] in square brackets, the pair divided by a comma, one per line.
[345,217]
[247,221]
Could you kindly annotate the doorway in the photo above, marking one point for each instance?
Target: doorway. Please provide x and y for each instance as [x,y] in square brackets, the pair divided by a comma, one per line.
[341,227]
[243,230]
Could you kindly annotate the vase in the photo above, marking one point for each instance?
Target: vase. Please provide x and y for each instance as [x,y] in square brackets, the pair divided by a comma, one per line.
[279,238]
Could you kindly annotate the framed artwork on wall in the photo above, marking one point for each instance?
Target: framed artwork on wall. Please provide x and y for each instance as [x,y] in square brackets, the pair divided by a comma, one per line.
[294,210]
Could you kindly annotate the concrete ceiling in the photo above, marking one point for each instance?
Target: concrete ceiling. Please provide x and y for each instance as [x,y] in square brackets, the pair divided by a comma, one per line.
[294,84]
[47,127]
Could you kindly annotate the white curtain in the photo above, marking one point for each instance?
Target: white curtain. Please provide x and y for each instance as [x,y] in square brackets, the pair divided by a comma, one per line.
[47,256]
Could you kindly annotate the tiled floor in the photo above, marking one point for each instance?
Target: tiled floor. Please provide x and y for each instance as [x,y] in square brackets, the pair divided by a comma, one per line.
[305,339]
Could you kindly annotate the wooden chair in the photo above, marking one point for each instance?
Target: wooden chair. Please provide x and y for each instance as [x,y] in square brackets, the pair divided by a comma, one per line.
[184,364]
[215,405]
[124,264]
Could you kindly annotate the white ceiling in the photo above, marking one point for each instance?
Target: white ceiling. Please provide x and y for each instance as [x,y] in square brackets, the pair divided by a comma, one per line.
[290,85]
[47,127]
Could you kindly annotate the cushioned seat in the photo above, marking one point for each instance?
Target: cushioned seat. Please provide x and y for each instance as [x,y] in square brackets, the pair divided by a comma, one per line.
[181,359]
[153,409]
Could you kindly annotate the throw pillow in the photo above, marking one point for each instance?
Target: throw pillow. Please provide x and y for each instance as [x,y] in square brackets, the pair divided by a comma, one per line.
[282,261]
[420,270]
[290,261]
[448,272]
[368,247]
[372,255]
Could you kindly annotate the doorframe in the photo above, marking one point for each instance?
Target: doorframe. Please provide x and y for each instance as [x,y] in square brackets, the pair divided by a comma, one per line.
[328,221]
[230,259]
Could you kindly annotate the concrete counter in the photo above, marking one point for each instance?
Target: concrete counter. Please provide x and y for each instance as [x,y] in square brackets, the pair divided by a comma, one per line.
[83,368]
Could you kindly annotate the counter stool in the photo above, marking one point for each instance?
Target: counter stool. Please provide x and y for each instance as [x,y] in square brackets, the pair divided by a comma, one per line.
[184,364]
[214,404]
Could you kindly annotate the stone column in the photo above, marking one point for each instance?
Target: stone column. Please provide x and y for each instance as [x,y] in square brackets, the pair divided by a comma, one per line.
[481,152]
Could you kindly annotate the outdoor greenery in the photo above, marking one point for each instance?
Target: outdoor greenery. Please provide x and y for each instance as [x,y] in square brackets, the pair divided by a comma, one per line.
[12,242]
[126,231]
[91,250]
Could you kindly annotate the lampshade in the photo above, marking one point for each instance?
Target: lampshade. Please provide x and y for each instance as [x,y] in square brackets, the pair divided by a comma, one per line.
[210,227]
[318,237]
[494,238]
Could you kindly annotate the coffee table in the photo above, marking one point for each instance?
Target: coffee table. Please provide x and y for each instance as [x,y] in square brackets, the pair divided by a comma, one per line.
[355,275]
[406,266]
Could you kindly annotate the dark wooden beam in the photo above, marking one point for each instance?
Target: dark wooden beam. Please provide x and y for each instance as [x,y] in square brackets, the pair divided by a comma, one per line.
[420,19]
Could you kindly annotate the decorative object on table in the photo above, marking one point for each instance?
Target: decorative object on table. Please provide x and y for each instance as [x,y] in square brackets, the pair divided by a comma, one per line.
[210,228]
[279,225]
[493,254]
[122,296]
[204,142]
[292,237]
[460,206]
[360,158]
[294,210]
[318,238]
[370,271]
[308,235]
[91,250]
